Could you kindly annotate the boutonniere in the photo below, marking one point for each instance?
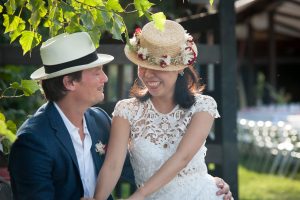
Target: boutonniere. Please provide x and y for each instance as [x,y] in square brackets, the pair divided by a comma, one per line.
[101,148]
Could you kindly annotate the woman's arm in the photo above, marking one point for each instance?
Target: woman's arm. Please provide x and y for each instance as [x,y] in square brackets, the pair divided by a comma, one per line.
[114,160]
[191,142]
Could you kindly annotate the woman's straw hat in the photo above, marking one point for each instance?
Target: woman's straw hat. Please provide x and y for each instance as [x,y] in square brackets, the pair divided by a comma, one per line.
[67,53]
[169,50]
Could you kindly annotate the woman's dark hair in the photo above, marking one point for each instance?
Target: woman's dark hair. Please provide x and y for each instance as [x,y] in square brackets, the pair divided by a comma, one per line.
[54,89]
[185,89]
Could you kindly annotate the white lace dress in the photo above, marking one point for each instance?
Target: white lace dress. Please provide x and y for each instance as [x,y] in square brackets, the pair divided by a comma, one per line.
[155,137]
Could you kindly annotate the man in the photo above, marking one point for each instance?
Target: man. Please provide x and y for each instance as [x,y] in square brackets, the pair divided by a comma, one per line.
[56,155]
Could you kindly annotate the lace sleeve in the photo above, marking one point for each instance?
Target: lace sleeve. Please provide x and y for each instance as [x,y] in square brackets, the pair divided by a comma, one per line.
[206,103]
[121,109]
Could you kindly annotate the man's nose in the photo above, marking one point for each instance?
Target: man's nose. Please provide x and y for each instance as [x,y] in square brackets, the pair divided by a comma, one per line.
[103,77]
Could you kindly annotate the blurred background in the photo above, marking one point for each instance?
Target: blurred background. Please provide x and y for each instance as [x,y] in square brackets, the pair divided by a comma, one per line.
[249,60]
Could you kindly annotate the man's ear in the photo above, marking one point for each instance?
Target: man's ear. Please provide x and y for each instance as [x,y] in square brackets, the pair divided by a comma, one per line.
[69,83]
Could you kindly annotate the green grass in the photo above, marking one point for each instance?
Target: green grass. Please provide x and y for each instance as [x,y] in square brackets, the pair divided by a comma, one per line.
[258,186]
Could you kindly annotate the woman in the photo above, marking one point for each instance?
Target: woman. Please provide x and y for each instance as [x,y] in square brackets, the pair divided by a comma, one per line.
[165,124]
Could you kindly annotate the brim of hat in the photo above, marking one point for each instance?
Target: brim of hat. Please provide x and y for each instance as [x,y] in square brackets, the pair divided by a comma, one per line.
[40,73]
[133,57]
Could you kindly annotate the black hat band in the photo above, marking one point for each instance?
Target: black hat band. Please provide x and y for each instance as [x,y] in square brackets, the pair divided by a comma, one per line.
[79,61]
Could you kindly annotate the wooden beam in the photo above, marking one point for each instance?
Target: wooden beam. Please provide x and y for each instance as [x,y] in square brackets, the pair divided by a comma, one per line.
[287,15]
[294,2]
[199,22]
[287,26]
[259,61]
[13,55]
[258,7]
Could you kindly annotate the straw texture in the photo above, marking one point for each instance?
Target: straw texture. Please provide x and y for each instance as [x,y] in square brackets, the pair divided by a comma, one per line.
[160,44]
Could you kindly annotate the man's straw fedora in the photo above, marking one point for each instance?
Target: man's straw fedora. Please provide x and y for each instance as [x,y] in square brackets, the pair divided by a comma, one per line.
[67,53]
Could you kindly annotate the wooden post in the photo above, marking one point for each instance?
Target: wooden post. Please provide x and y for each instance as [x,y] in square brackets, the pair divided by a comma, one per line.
[228,96]
[272,50]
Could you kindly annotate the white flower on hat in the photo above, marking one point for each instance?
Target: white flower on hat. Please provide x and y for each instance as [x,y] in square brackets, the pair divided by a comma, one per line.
[142,53]
[188,54]
[133,41]
[165,60]
[188,37]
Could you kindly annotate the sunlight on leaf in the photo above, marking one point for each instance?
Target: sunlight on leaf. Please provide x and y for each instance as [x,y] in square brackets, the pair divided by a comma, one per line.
[15,85]
[4,131]
[114,5]
[2,117]
[15,34]
[142,6]
[11,22]
[159,20]
[10,6]
[31,87]
[1,9]
[29,40]
[11,126]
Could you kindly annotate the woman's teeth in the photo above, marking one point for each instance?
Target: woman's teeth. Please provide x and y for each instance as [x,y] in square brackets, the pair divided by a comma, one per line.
[153,84]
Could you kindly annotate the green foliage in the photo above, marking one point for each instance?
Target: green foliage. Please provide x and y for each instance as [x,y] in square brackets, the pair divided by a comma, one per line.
[27,21]
[279,96]
[7,132]
[12,104]
[257,186]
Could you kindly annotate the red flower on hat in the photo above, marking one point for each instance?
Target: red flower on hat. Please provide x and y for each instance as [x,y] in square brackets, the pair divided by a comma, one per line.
[137,32]
[165,60]
[194,56]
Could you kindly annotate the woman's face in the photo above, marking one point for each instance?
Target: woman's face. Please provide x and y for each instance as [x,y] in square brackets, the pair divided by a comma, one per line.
[159,83]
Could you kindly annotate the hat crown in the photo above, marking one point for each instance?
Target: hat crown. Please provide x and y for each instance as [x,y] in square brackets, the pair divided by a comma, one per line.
[166,42]
[66,47]
[168,50]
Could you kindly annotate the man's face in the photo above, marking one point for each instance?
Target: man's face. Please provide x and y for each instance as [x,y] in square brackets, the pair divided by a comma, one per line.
[89,90]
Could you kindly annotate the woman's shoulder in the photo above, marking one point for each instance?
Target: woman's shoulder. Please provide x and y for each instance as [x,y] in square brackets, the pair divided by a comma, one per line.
[201,98]
[126,107]
[128,101]
[206,103]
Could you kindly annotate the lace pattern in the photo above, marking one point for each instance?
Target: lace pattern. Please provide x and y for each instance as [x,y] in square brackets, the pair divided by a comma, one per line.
[155,137]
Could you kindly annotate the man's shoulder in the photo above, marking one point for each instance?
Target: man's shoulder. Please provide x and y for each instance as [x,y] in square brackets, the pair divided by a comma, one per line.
[98,112]
[37,121]
[99,116]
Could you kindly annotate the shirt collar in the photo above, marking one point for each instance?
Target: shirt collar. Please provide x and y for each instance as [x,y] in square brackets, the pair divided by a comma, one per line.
[70,126]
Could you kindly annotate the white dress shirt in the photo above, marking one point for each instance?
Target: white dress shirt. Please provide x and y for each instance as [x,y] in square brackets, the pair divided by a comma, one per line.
[83,154]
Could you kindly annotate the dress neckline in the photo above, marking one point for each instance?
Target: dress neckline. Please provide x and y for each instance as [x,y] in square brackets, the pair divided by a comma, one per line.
[160,113]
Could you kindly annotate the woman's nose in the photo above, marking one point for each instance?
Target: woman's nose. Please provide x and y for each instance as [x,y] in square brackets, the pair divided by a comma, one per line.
[148,72]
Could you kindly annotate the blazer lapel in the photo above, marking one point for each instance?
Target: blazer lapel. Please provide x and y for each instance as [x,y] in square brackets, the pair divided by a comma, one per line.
[96,137]
[61,132]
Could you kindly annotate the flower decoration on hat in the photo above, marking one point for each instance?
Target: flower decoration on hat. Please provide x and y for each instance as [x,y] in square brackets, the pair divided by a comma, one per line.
[101,148]
[186,56]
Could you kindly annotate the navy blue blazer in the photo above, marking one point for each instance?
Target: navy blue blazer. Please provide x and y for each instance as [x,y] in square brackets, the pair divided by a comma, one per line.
[42,161]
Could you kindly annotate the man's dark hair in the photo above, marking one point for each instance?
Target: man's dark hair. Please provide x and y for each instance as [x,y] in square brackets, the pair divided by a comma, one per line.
[185,89]
[54,89]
